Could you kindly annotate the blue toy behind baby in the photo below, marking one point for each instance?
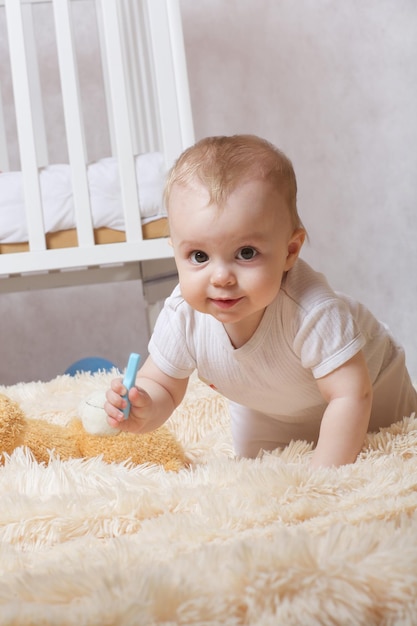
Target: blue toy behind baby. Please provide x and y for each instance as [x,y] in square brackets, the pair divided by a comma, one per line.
[90,364]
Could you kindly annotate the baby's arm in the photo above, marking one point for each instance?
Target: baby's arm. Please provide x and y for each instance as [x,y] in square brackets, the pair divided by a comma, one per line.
[152,400]
[348,392]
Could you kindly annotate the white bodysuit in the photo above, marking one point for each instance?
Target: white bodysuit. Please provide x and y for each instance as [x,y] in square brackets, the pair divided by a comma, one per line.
[306,332]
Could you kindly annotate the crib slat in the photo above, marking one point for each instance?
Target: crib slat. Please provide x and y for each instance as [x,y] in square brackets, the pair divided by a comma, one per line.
[25,125]
[73,121]
[35,86]
[141,83]
[129,26]
[4,154]
[102,44]
[182,88]
[170,72]
[121,116]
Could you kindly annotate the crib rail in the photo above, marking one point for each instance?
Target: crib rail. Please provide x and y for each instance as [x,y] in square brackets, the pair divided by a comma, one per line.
[147,99]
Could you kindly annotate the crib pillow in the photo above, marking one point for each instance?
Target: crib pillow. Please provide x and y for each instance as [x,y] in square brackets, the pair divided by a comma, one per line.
[105,196]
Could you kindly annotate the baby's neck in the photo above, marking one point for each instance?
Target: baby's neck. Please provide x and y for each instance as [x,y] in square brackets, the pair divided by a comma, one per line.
[241,332]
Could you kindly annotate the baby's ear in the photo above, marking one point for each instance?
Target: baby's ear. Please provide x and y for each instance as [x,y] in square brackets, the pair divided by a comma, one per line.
[295,244]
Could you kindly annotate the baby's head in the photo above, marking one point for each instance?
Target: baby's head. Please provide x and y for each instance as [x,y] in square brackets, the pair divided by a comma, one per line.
[221,164]
[234,228]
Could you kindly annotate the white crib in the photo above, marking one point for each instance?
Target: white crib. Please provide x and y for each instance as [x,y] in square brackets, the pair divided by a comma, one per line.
[141,56]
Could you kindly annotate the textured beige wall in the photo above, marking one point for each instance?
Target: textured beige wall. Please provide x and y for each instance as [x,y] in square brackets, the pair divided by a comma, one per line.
[332,83]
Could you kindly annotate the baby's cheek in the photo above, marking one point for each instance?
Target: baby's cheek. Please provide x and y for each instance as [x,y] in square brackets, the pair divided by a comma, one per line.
[193,291]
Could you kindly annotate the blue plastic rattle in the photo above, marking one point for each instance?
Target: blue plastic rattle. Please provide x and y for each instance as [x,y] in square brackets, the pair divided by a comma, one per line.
[129,378]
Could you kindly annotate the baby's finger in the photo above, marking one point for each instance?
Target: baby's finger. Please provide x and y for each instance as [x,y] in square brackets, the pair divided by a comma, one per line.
[113,422]
[114,409]
[136,395]
[115,398]
[139,398]
[117,386]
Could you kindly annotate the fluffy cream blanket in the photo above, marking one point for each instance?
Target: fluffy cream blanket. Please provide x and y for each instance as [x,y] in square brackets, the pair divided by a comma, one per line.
[251,542]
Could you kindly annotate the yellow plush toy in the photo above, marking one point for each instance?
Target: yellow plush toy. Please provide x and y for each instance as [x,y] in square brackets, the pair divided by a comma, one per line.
[73,441]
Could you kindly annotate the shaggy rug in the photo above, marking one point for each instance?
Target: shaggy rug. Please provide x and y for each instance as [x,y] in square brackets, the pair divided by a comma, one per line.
[259,542]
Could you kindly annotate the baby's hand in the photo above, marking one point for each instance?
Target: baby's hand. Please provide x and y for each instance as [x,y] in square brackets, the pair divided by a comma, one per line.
[140,407]
[150,404]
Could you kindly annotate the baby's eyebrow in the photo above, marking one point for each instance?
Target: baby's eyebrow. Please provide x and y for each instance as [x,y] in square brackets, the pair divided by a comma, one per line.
[252,238]
[194,245]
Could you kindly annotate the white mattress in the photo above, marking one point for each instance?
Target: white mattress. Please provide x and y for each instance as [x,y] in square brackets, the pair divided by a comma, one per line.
[105,196]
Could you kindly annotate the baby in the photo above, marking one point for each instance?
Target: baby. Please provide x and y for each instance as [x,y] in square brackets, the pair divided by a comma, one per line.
[295,359]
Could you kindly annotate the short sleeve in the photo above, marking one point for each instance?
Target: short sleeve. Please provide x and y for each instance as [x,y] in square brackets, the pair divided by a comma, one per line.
[327,337]
[168,345]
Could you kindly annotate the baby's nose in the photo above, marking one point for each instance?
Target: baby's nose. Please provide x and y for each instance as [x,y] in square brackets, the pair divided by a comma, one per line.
[222,275]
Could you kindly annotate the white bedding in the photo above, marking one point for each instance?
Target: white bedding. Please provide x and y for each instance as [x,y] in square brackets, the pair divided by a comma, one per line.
[105,196]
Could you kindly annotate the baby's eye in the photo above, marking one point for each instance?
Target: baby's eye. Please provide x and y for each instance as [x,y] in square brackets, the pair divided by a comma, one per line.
[247,253]
[198,257]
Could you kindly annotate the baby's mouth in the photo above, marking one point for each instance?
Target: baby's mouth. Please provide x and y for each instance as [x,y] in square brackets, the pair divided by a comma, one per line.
[225,303]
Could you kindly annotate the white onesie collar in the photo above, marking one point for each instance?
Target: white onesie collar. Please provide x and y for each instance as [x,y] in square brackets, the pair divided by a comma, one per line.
[258,336]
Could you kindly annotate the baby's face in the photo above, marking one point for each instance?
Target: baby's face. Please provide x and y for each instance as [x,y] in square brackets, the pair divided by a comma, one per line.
[231,259]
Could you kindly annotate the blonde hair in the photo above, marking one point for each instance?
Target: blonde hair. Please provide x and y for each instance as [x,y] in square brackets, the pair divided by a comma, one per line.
[222,163]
